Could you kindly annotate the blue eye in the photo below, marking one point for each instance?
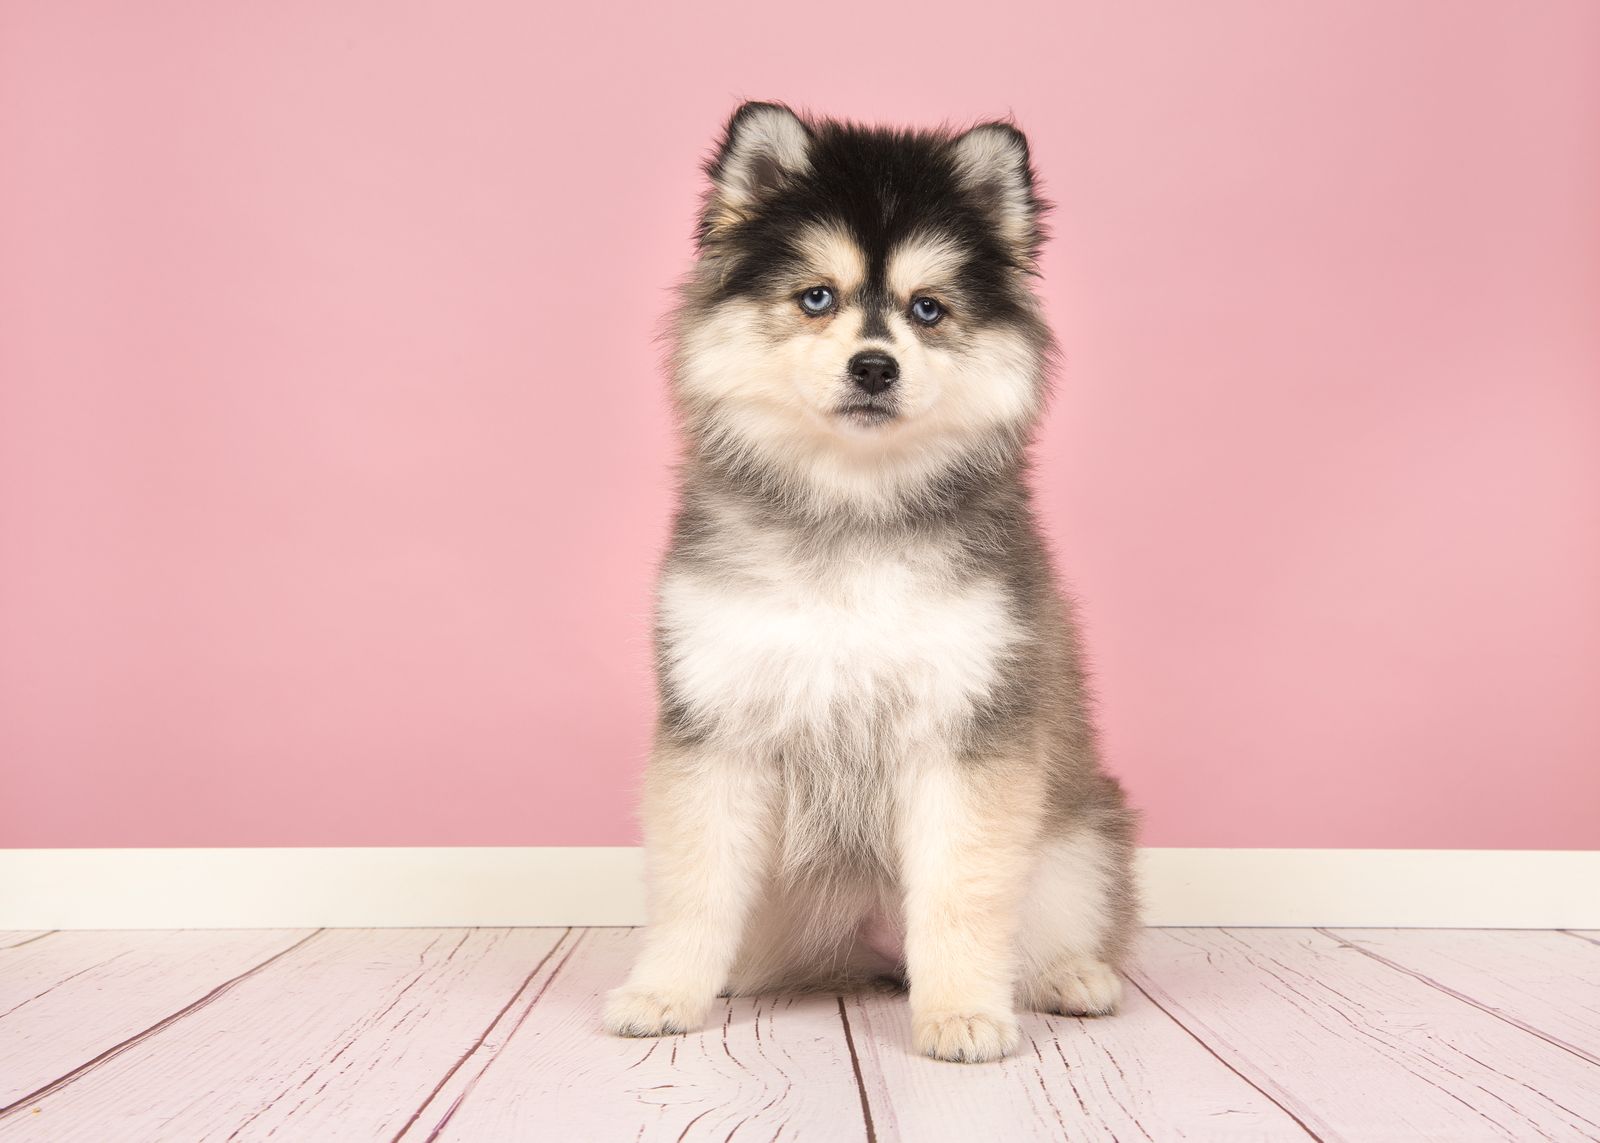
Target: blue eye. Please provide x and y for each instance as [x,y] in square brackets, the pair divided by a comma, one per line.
[927,311]
[817,300]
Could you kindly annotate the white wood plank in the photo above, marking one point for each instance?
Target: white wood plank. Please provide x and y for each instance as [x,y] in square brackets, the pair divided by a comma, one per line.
[14,938]
[67,998]
[1546,983]
[1131,1076]
[345,1037]
[1357,1050]
[764,1067]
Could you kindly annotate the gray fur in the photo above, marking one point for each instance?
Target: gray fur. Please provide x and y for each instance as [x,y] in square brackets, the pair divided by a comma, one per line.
[745,517]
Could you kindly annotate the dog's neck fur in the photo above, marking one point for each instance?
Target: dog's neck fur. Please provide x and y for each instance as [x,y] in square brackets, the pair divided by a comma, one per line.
[979,522]
[969,495]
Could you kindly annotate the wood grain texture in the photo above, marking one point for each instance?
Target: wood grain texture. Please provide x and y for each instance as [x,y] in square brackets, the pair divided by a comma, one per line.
[1358,1050]
[67,998]
[476,1035]
[1544,983]
[1137,1075]
[14,938]
[346,1037]
[763,1068]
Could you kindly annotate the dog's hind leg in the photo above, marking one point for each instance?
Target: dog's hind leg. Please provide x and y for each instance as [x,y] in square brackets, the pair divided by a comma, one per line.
[1077,922]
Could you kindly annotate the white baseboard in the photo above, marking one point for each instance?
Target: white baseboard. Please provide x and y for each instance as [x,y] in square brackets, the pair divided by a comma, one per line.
[397,887]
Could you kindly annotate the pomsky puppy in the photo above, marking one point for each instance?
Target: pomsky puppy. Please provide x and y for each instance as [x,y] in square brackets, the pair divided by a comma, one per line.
[874,754]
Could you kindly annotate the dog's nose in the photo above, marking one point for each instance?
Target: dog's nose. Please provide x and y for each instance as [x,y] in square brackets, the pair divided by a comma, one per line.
[874,372]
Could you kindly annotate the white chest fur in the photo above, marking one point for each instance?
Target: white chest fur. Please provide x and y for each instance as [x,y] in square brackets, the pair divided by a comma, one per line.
[870,645]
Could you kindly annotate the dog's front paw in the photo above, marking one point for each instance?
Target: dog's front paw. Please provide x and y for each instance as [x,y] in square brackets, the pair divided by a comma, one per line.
[634,1011]
[1086,988]
[965,1037]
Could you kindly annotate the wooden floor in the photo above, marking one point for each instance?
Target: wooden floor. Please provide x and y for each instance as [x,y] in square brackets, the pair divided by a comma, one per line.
[491,1034]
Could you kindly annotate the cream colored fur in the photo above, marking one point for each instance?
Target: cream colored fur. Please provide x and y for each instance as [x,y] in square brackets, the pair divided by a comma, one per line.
[874,754]
[992,911]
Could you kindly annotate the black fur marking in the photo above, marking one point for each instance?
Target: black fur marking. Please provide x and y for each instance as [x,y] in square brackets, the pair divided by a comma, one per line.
[748,522]
[875,303]
[881,187]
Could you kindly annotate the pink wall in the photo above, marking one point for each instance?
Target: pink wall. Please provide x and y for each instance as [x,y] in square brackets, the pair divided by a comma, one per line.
[333,455]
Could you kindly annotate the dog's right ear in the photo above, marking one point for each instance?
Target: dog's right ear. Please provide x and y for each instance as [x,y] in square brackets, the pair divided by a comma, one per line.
[763,146]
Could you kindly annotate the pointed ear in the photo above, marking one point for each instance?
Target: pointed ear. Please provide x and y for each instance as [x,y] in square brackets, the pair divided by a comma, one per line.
[764,145]
[991,161]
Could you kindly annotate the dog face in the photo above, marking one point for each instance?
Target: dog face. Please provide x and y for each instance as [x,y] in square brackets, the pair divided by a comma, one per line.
[860,320]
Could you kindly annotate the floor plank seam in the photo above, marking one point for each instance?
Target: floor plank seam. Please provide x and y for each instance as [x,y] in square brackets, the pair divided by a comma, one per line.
[1453,1036]
[855,1066]
[137,1038]
[482,1036]
[1563,1108]
[1553,1041]
[29,941]
[1356,1029]
[369,1019]
[456,1104]
[1265,1094]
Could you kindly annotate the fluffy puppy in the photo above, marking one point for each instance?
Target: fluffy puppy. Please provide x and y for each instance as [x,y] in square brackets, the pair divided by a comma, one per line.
[874,753]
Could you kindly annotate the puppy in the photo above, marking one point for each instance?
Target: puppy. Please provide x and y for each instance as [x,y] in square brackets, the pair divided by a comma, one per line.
[874,753]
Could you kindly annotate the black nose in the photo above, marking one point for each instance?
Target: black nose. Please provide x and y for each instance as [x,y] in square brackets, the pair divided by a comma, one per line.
[874,372]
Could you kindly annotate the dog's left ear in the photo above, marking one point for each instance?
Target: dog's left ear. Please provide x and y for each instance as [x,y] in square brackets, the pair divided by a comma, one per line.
[763,146]
[992,162]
